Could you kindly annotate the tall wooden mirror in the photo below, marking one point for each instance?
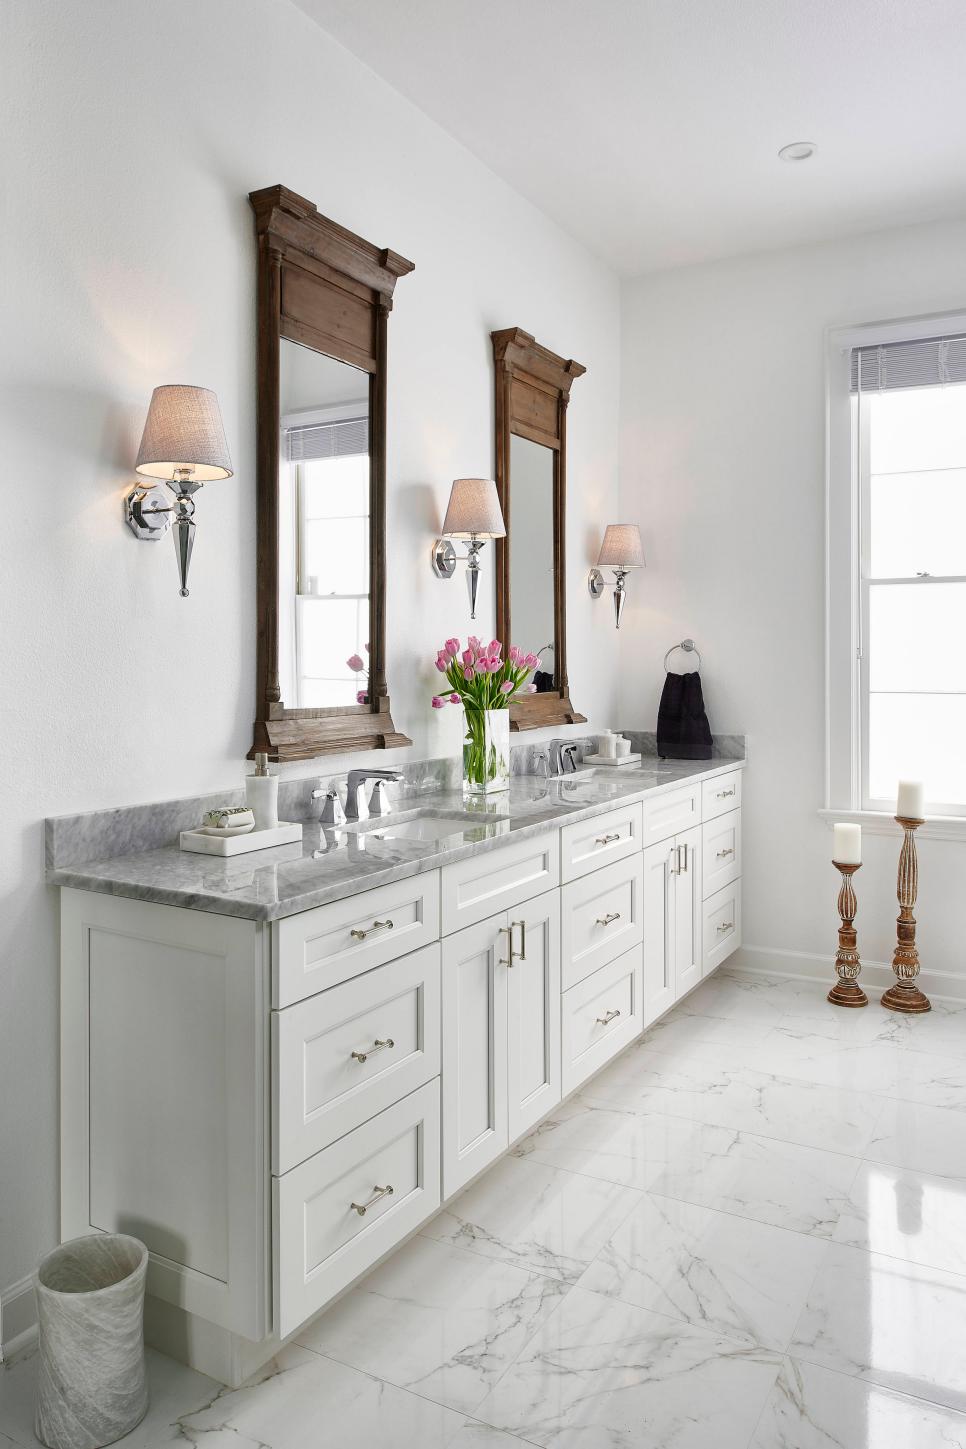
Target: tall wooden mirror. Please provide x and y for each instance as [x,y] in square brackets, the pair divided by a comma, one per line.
[532,392]
[324,297]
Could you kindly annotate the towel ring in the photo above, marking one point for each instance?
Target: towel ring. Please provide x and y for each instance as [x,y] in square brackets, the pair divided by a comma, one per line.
[689,647]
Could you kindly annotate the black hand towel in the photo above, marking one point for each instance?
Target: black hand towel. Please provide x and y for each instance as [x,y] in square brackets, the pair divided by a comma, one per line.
[683,732]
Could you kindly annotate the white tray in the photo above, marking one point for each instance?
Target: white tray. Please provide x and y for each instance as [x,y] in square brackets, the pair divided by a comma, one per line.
[283,833]
[611,760]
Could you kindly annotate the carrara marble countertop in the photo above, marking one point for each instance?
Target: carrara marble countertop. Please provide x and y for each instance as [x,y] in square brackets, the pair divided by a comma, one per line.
[330,864]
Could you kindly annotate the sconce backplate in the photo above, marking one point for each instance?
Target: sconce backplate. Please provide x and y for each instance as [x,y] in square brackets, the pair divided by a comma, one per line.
[148,511]
[444,559]
[595,583]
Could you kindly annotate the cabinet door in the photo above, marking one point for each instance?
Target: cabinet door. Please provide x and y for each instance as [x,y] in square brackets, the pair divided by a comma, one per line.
[533,1013]
[658,913]
[687,911]
[474,1049]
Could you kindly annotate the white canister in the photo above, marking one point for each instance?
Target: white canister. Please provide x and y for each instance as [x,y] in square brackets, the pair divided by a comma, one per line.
[606,744]
[261,794]
[622,747]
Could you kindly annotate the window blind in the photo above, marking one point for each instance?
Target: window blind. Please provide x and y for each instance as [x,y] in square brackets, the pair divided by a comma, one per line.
[925,362]
[313,441]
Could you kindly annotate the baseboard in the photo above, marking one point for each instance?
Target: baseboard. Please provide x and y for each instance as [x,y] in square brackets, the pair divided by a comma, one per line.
[18,1318]
[877,975]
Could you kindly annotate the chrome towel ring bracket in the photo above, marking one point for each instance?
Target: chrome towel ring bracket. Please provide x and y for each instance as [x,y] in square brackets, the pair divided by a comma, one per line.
[689,647]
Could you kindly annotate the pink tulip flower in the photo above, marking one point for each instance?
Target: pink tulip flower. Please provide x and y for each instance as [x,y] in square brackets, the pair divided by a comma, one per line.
[531,661]
[454,699]
[506,687]
[437,702]
[452,647]
[467,658]
[354,662]
[362,697]
[494,647]
[531,689]
[441,663]
[469,673]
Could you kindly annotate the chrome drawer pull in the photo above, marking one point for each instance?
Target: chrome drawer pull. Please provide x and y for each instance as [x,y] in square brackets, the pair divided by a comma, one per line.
[376,926]
[606,839]
[362,1207]
[607,1018]
[608,919]
[723,853]
[377,1046]
[725,926]
[723,794]
[509,937]
[522,953]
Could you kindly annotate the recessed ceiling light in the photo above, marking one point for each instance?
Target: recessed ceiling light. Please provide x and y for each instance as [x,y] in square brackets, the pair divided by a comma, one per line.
[798,151]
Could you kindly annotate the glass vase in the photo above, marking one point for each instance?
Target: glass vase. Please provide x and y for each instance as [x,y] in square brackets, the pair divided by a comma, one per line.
[486,751]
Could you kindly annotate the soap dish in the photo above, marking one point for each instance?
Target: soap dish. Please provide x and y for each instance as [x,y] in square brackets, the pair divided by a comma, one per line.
[237,843]
[611,759]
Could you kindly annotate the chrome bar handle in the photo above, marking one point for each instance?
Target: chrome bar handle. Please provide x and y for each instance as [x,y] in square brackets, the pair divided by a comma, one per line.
[380,1192]
[723,794]
[685,866]
[522,953]
[359,935]
[722,854]
[725,926]
[377,1046]
[609,918]
[509,936]
[608,1017]
[607,839]
[675,861]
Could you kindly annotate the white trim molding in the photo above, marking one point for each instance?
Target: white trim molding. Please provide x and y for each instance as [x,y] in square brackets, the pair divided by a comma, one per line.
[876,975]
[18,1318]
[880,822]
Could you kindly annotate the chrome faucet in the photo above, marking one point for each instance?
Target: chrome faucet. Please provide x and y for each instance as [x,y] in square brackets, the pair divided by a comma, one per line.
[332,811]
[563,757]
[355,805]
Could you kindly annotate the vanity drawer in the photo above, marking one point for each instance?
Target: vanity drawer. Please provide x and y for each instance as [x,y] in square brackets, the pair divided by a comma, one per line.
[720,795]
[322,1241]
[606,838]
[667,815]
[483,885]
[600,917]
[320,948]
[322,1087]
[722,926]
[721,849]
[600,1017]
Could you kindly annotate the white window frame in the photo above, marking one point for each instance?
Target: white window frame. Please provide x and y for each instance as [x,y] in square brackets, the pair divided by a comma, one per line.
[846,723]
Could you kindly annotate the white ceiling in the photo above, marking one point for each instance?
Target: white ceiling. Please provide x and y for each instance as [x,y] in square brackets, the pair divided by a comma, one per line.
[649,128]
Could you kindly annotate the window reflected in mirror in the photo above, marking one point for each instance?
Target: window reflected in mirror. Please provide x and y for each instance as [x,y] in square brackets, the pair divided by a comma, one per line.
[532,568]
[324,530]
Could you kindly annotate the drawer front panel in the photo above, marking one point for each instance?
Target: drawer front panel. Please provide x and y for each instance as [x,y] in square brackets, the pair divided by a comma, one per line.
[606,838]
[720,795]
[323,1241]
[721,848]
[483,885]
[320,948]
[669,814]
[344,1055]
[600,1017]
[601,918]
[722,926]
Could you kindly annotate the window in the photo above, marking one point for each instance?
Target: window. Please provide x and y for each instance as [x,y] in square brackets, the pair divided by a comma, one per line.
[897,602]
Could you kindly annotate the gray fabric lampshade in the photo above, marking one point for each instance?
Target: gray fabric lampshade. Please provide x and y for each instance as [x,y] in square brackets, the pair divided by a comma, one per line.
[622,547]
[474,509]
[183,429]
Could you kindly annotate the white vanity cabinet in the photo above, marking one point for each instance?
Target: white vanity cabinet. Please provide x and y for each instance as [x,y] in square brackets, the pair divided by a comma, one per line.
[672,911]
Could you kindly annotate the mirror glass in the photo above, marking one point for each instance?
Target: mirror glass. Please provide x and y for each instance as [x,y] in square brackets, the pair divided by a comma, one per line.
[323,530]
[532,573]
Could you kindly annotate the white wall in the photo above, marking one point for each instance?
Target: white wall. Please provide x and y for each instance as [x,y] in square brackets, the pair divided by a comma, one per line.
[722,461]
[133,132]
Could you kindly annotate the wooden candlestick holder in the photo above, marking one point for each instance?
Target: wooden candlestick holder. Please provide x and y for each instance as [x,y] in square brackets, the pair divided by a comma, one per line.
[847,991]
[905,995]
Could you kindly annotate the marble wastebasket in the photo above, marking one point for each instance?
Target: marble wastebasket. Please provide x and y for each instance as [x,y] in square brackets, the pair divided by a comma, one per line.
[91,1385]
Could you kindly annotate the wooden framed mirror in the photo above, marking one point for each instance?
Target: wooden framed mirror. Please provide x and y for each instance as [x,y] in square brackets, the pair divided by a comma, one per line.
[532,391]
[324,297]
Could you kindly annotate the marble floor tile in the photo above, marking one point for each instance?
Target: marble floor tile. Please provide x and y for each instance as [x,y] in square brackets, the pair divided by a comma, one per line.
[437,1320]
[907,1215]
[474,1435]
[607,1375]
[743,1279]
[683,1028]
[923,1138]
[813,1408]
[535,1216]
[818,1017]
[749,997]
[856,1066]
[173,1390]
[621,1147]
[892,1323]
[941,1030]
[799,1188]
[302,1400]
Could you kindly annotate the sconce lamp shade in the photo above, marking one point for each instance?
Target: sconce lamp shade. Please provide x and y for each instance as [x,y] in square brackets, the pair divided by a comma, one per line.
[474,510]
[622,548]
[183,430]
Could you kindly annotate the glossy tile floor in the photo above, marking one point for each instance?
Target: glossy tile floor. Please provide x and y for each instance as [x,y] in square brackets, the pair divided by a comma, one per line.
[747,1233]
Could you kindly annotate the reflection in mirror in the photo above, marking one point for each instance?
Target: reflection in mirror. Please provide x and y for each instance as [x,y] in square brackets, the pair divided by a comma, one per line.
[323,534]
[532,572]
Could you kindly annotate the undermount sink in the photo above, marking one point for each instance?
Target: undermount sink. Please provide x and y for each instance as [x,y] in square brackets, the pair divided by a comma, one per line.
[427,824]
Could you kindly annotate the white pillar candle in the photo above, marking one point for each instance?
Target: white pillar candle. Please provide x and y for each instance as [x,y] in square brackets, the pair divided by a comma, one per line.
[848,844]
[911,803]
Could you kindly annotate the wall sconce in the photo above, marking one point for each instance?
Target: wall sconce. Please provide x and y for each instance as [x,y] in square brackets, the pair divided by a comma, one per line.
[621,550]
[474,513]
[184,444]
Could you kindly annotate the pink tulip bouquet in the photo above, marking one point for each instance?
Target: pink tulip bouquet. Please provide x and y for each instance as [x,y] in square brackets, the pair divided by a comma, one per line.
[358,665]
[485,683]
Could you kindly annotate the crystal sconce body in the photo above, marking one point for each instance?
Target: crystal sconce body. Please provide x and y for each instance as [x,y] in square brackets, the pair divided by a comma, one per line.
[621,550]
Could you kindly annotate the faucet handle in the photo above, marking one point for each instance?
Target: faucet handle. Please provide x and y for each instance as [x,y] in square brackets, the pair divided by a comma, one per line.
[379,801]
[332,811]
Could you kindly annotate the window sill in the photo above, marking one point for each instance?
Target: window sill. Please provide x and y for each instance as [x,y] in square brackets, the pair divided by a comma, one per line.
[879,822]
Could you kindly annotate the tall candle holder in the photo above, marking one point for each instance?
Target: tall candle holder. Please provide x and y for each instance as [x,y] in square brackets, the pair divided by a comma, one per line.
[905,995]
[847,991]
